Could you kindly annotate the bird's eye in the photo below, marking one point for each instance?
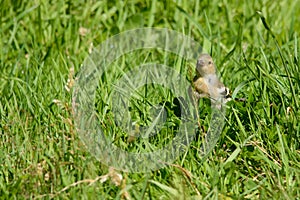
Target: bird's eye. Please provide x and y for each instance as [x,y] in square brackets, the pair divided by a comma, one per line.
[209,62]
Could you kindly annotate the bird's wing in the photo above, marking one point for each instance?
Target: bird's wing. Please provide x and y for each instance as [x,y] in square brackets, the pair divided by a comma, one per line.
[200,86]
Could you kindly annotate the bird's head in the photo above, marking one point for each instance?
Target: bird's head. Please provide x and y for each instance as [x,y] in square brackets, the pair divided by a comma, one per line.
[205,65]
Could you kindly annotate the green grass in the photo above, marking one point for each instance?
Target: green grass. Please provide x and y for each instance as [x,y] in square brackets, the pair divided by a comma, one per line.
[257,55]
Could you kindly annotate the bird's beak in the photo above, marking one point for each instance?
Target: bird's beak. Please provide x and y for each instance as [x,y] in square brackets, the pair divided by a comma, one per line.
[200,62]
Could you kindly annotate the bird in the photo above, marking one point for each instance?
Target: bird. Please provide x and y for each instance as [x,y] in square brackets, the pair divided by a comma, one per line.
[206,83]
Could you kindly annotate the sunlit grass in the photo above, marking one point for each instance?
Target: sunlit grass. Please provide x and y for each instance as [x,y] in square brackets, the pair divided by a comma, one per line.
[257,55]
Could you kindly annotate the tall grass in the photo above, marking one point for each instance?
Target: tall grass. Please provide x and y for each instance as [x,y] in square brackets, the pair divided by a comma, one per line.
[256,48]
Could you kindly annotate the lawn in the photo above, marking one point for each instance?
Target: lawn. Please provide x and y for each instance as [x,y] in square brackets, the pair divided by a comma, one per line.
[46,47]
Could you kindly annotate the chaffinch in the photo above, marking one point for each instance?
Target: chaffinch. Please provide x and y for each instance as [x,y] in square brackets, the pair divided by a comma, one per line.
[206,82]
